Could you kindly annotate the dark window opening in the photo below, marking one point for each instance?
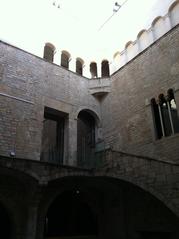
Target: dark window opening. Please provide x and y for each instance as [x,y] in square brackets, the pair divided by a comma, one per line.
[165,114]
[65,59]
[156,115]
[79,67]
[70,216]
[93,69]
[52,148]
[49,51]
[105,69]
[173,111]
[85,138]
[165,118]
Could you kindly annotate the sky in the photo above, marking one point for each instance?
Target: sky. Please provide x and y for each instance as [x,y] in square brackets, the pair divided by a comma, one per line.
[74,26]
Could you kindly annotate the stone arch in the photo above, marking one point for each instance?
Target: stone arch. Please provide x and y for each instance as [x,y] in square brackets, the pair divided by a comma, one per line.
[144,186]
[158,26]
[129,48]
[49,51]
[116,61]
[126,178]
[14,195]
[76,205]
[68,183]
[92,112]
[65,58]
[23,172]
[174,13]
[93,69]
[79,66]
[143,39]
[116,58]
[102,186]
[105,68]
[87,137]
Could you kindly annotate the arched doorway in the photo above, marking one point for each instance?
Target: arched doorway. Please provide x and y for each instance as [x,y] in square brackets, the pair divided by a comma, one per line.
[103,208]
[85,138]
[70,216]
[5,224]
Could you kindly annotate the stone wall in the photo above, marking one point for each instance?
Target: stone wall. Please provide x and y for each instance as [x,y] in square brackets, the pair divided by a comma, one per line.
[27,85]
[126,111]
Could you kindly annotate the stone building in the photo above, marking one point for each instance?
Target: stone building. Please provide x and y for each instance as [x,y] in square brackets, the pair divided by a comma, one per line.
[86,158]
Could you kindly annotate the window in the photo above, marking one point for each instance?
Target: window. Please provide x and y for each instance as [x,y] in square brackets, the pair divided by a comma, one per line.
[65,56]
[79,66]
[93,69]
[165,115]
[49,51]
[52,148]
[105,69]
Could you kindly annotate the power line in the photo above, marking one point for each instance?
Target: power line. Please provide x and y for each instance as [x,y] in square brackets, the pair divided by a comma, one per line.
[115,10]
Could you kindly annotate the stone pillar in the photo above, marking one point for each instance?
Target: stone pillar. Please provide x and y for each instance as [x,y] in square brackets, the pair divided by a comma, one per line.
[72,143]
[31,221]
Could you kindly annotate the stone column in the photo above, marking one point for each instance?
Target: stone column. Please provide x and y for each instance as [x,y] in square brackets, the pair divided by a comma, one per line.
[31,221]
[72,143]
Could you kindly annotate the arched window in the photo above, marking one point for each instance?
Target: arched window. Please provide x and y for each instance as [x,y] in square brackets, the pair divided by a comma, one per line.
[165,115]
[156,118]
[93,69]
[105,68]
[49,51]
[85,138]
[173,111]
[65,56]
[79,66]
